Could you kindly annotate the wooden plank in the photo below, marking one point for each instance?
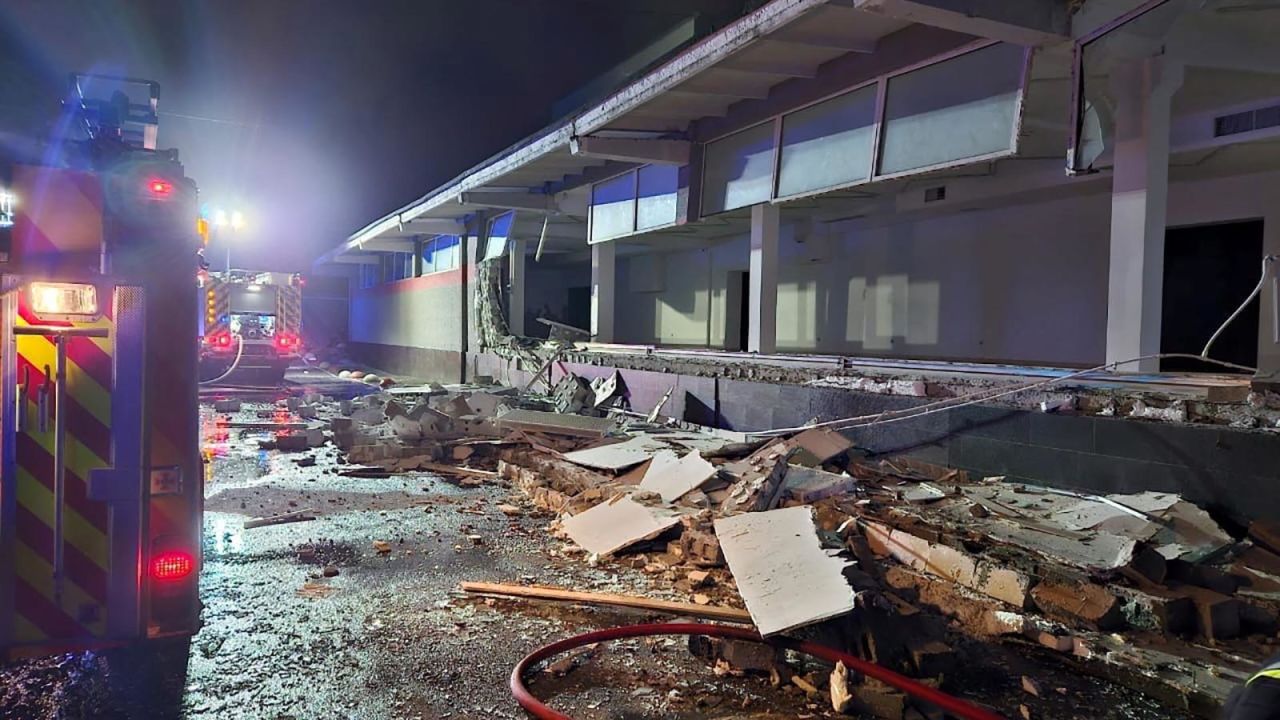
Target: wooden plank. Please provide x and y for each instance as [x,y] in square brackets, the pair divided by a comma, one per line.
[290,517]
[709,612]
[785,576]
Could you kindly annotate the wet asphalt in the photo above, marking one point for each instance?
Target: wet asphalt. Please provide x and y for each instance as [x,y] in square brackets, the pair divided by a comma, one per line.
[320,620]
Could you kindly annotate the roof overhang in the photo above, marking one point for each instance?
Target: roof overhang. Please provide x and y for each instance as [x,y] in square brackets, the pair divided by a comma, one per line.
[648,120]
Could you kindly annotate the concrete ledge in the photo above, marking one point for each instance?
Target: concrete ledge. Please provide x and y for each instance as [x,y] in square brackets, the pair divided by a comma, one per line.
[1230,471]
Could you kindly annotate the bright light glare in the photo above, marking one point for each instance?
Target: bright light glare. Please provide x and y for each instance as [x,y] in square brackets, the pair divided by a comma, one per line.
[64,299]
[237,220]
[220,218]
[253,288]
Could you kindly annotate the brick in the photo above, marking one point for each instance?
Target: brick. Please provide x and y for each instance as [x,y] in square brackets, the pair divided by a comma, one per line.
[1079,603]
[979,616]
[932,658]
[880,700]
[226,406]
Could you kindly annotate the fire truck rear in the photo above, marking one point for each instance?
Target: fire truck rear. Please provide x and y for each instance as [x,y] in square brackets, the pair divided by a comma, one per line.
[100,471]
[251,326]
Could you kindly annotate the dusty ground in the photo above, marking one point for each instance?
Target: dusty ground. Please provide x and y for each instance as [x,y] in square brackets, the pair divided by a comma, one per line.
[390,637]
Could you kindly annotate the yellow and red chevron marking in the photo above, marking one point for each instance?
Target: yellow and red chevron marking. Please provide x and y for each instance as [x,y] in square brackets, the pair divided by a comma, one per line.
[86,541]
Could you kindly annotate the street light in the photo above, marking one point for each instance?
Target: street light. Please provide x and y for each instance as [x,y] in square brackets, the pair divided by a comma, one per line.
[228,222]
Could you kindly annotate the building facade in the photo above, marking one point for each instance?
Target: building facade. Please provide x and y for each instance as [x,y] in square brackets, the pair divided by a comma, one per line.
[834,207]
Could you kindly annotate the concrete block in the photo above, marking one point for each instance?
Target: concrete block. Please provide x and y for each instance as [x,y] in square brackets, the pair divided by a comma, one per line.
[947,562]
[226,406]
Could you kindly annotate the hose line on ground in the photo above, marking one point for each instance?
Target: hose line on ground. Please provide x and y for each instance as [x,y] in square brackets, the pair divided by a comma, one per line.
[949,703]
[234,363]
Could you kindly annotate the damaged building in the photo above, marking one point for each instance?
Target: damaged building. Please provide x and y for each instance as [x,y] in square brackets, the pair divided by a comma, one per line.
[1011,264]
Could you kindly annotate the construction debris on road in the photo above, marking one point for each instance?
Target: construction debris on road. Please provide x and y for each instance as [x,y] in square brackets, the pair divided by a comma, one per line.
[916,564]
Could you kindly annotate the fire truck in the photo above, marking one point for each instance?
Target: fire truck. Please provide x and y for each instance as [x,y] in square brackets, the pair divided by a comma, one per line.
[100,471]
[251,326]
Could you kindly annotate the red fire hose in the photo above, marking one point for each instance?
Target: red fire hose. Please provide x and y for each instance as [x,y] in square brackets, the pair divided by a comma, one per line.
[953,705]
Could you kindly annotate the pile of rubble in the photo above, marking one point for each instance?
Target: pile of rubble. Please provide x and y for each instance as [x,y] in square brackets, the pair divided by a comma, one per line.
[906,564]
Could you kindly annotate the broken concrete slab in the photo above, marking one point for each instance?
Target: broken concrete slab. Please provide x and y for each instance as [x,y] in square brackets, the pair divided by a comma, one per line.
[784,575]
[617,524]
[947,562]
[806,485]
[556,423]
[617,456]
[818,445]
[673,477]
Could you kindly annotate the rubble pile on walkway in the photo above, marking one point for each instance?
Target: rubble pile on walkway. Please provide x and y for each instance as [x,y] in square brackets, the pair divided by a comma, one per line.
[907,564]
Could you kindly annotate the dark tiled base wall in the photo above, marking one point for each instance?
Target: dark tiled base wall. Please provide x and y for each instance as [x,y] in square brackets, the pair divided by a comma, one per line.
[1235,473]
[443,366]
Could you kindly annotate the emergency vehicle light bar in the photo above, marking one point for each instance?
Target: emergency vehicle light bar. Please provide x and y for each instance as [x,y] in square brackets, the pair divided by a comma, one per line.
[64,299]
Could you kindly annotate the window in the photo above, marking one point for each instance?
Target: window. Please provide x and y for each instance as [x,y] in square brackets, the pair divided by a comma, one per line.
[499,234]
[441,253]
[613,207]
[642,199]
[370,275]
[657,187]
[962,107]
[738,170]
[828,144]
[397,266]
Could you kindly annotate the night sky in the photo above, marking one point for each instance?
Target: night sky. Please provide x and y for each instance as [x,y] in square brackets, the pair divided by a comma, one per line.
[314,117]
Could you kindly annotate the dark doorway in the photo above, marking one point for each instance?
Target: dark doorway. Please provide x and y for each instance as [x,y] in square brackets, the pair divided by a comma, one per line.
[579,308]
[737,308]
[1208,271]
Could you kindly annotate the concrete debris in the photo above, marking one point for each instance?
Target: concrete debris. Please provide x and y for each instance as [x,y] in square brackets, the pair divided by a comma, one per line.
[784,575]
[944,562]
[556,423]
[673,477]
[619,455]
[616,524]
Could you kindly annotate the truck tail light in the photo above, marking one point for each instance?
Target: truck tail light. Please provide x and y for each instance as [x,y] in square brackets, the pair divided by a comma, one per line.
[160,188]
[171,565]
[286,342]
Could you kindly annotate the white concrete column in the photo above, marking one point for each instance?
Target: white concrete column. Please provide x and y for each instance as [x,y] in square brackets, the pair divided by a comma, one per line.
[1139,203]
[762,327]
[1268,319]
[515,313]
[604,276]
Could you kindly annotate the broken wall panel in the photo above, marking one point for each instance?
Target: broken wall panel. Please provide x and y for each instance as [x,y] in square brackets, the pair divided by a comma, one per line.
[784,575]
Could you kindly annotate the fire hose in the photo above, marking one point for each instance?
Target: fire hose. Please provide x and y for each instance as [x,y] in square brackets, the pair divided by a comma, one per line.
[951,704]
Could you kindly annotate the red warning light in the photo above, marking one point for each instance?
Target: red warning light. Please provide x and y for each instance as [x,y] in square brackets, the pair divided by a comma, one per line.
[171,565]
[160,188]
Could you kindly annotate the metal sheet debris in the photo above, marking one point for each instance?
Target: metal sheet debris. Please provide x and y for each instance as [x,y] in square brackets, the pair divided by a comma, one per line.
[784,575]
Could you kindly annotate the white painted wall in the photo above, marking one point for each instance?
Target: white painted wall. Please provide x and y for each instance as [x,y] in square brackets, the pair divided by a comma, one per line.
[1023,283]
[423,312]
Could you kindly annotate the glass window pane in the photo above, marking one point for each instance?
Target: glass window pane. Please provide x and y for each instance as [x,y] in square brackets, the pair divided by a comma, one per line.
[448,249]
[656,204]
[613,207]
[956,109]
[738,170]
[428,256]
[828,144]
[499,232]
